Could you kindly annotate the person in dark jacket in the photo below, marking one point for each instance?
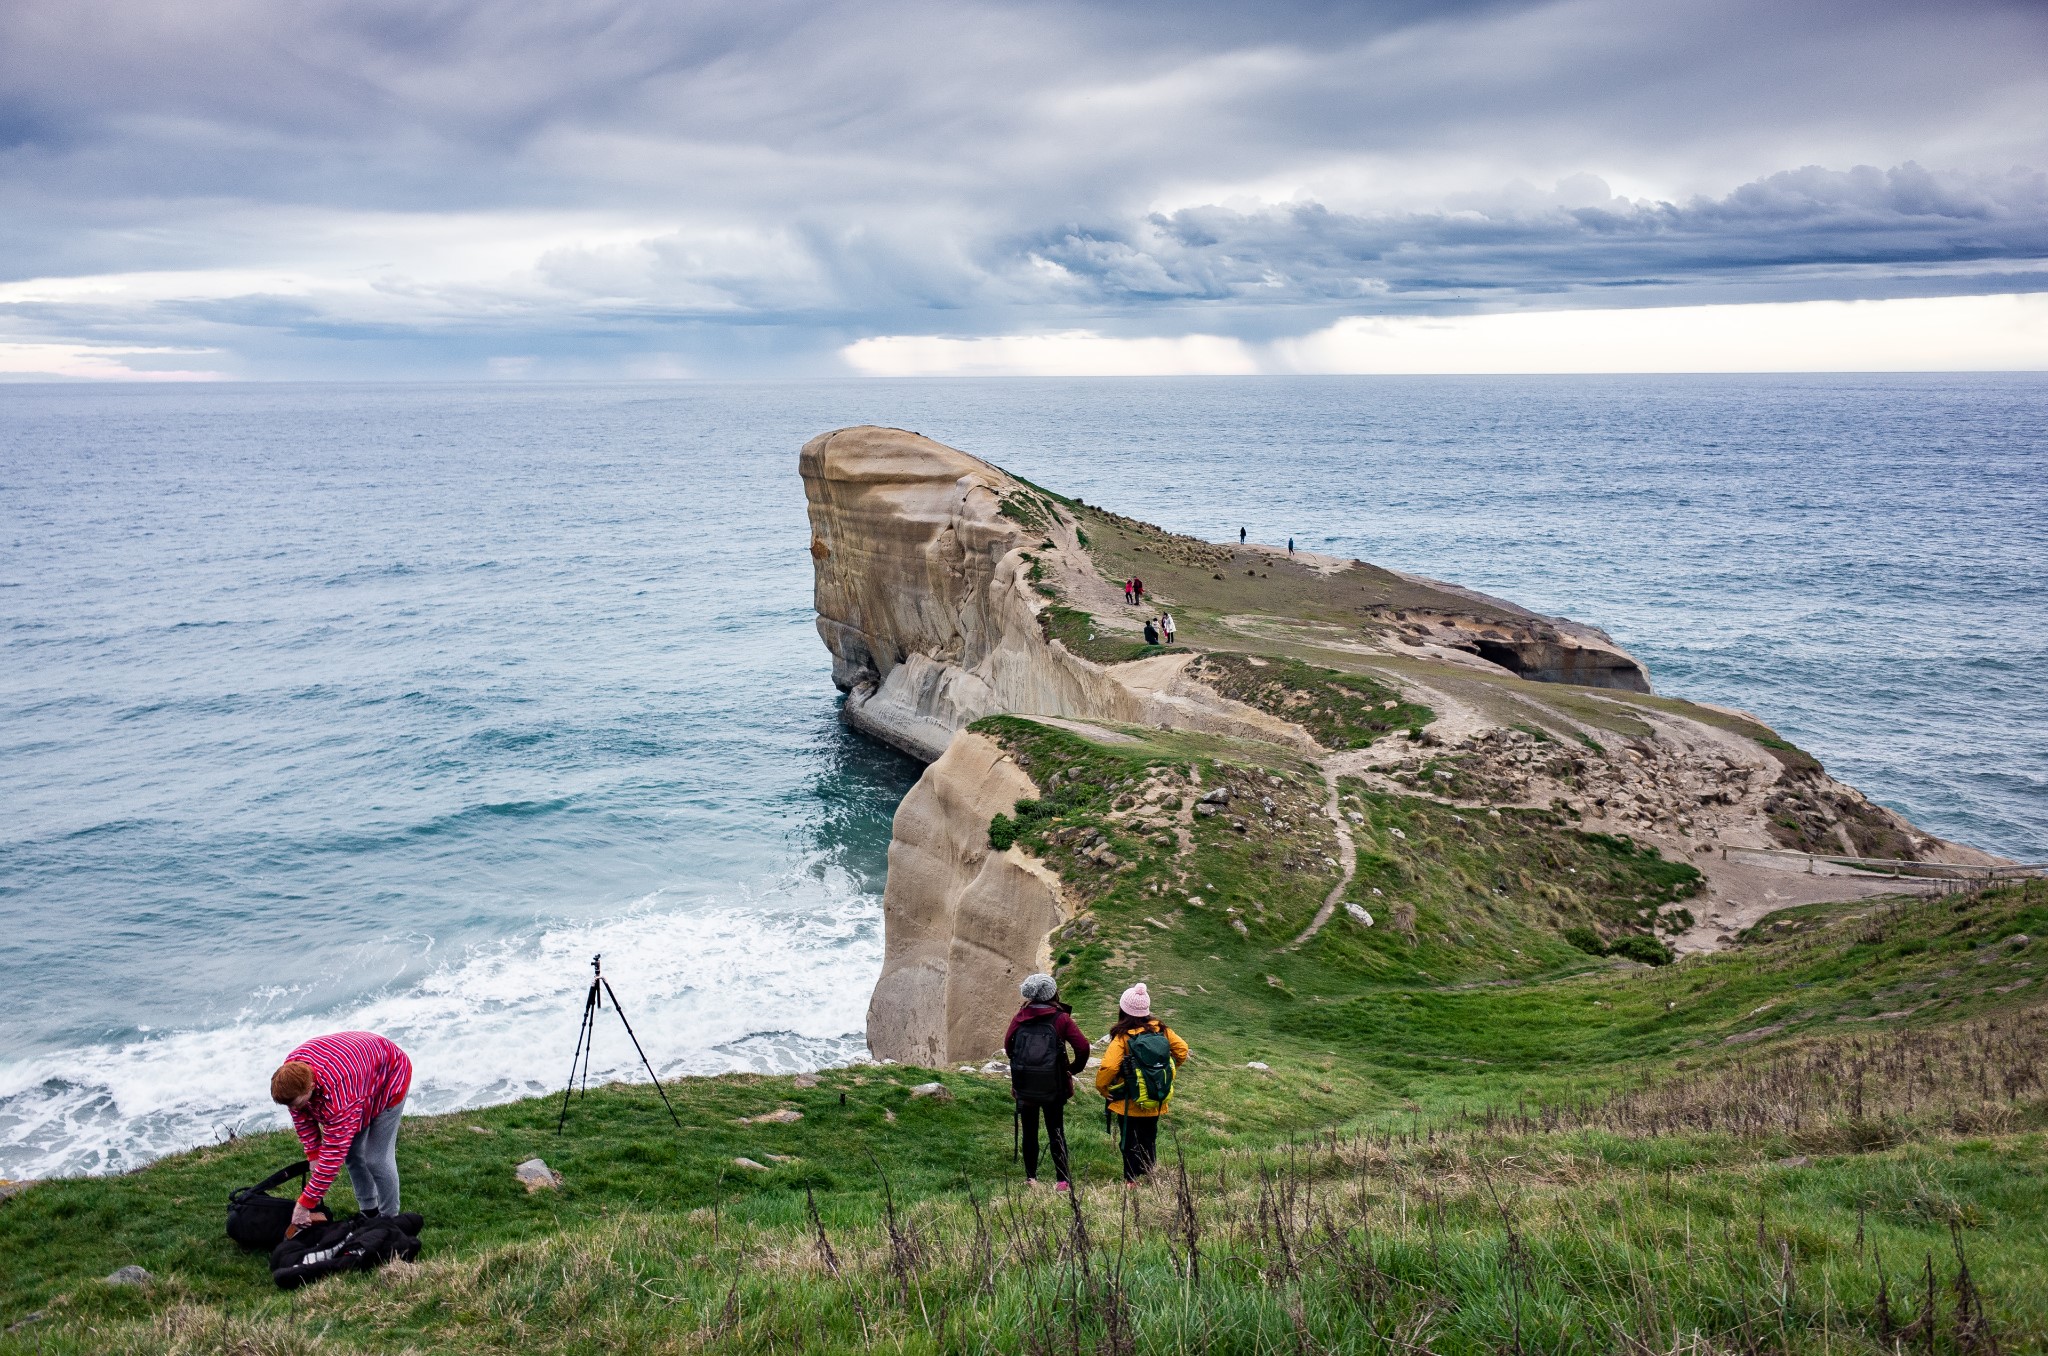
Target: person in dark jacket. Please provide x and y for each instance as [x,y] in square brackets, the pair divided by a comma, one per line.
[1151,632]
[1046,1049]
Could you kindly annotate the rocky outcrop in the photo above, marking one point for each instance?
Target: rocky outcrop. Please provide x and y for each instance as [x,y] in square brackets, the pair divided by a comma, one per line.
[920,594]
[923,558]
[965,923]
[1526,644]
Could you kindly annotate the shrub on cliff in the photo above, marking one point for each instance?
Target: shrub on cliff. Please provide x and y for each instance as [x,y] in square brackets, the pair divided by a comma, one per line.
[1637,947]
[1585,939]
[1003,830]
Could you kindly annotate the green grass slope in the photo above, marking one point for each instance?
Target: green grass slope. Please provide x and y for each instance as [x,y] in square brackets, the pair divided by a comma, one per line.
[1449,1131]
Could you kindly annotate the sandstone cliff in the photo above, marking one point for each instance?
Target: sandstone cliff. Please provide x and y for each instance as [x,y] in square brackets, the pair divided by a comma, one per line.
[948,591]
[924,559]
[963,920]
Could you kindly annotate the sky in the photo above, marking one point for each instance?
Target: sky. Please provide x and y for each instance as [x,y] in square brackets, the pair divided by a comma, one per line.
[626,189]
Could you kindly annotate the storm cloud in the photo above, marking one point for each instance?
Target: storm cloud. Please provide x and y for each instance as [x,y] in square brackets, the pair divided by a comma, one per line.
[621,187]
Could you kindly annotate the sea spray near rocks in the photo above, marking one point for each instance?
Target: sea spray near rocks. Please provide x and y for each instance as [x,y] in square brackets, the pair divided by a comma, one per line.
[495,1025]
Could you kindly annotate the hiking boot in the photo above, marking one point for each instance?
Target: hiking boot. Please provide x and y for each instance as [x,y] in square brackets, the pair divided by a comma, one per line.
[1061,1186]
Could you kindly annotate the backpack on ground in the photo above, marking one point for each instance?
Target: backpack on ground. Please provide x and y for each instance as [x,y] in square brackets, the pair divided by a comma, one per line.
[256,1219]
[1148,1073]
[1037,1063]
[356,1243]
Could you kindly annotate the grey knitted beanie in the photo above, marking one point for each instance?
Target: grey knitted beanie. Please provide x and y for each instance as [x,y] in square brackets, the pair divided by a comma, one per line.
[1038,988]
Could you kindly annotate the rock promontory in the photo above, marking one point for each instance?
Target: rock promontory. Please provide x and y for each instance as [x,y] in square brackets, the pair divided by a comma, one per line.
[1309,707]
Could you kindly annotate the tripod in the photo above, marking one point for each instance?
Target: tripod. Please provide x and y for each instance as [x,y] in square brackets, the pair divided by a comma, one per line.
[586,1036]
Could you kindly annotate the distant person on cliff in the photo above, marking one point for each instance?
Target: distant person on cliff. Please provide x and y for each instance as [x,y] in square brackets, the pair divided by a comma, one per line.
[1166,626]
[1138,587]
[1151,632]
[1290,546]
[345,1093]
[1136,1075]
[1240,536]
[1046,1049]
[1128,583]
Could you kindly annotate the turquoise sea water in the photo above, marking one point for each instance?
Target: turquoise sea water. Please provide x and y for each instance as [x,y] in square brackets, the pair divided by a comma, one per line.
[330,706]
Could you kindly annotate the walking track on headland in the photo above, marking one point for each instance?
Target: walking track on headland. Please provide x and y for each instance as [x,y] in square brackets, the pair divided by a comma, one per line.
[1347,860]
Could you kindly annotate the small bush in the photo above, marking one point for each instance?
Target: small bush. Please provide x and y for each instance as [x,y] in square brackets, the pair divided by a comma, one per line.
[1585,939]
[1003,830]
[1637,947]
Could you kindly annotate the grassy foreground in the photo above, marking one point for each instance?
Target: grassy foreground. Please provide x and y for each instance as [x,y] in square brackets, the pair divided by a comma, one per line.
[1449,1130]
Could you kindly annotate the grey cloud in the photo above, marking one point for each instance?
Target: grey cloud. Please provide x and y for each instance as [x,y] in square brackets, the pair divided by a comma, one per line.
[1806,222]
[818,170]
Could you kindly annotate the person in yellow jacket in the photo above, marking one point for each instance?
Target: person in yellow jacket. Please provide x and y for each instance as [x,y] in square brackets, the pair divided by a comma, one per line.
[1136,1075]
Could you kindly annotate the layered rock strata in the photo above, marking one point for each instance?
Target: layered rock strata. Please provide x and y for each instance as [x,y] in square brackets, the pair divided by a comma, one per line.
[963,921]
[925,601]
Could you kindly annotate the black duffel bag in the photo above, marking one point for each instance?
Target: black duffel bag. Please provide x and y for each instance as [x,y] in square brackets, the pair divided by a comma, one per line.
[353,1243]
[256,1219]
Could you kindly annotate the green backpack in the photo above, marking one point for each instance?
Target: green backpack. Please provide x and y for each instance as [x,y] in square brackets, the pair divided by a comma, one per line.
[1148,1073]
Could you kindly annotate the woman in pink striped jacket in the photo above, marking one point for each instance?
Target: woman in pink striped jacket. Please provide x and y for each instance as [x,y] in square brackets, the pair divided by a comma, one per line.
[345,1093]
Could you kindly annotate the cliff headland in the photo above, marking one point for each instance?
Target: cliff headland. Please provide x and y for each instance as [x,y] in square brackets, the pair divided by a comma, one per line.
[1263,774]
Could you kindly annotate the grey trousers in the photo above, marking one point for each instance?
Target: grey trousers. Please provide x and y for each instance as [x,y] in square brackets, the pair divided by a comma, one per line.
[373,1163]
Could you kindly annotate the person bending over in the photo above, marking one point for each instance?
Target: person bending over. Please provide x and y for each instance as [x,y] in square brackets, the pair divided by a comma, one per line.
[1045,1049]
[345,1093]
[1136,1075]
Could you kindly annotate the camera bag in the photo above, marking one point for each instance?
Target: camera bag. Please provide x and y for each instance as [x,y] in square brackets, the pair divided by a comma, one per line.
[354,1243]
[257,1220]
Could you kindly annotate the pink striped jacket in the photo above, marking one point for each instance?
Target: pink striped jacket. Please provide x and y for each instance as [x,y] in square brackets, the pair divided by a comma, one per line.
[357,1076]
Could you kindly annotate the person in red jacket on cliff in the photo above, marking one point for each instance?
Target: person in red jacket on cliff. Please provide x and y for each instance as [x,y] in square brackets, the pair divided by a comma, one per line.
[345,1093]
[1045,1049]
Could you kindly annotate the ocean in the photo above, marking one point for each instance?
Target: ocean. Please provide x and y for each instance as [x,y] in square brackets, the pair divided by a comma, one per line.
[338,706]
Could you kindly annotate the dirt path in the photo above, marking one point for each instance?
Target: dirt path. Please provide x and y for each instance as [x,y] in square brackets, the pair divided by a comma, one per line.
[1347,861]
[1740,894]
[1184,817]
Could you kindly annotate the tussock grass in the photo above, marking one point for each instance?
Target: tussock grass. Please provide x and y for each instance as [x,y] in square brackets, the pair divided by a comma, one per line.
[1460,1242]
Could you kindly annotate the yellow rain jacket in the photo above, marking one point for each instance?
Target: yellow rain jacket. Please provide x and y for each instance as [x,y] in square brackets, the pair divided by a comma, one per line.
[1111,1068]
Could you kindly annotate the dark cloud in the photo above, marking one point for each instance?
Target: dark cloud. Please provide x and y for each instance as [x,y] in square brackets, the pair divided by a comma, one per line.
[1798,226]
[618,173]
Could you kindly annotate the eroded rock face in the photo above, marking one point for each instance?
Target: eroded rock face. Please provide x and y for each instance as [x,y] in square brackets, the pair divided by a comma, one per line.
[921,593]
[906,534]
[924,599]
[965,923]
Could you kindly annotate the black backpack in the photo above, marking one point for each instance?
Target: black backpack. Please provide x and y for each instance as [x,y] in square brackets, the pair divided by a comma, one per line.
[1037,1063]
[357,1243]
[256,1219]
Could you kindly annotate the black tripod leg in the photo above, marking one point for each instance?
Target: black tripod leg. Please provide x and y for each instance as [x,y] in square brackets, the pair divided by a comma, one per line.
[583,1034]
[643,1056]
